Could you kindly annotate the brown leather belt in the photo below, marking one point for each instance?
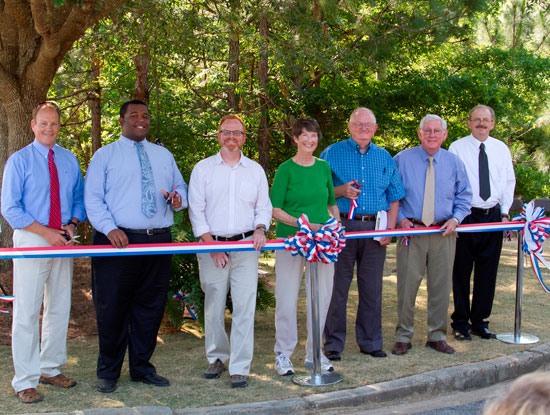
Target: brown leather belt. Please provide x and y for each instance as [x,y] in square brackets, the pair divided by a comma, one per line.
[417,222]
[360,218]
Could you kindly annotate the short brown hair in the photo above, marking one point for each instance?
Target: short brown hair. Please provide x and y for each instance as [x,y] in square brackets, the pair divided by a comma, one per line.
[231,117]
[45,104]
[482,107]
[308,124]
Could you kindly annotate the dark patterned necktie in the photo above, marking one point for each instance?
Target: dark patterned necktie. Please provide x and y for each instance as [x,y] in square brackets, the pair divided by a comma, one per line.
[484,184]
[55,204]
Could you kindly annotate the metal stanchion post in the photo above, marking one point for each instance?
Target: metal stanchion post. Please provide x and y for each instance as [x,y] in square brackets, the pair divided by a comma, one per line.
[316,377]
[516,337]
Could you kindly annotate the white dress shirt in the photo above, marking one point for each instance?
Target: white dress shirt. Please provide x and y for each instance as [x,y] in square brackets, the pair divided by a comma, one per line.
[501,170]
[225,200]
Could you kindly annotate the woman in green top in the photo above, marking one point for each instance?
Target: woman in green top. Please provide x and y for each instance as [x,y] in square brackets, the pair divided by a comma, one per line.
[302,184]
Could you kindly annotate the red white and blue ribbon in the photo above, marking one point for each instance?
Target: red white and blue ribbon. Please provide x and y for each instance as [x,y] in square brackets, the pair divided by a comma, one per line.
[321,246]
[8,299]
[207,247]
[535,231]
[353,206]
[184,298]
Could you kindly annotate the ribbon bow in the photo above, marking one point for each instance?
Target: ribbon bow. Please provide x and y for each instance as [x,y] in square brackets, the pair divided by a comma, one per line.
[534,233]
[321,246]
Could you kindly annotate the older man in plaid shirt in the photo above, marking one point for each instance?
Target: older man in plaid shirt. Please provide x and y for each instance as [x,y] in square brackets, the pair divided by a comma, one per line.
[366,173]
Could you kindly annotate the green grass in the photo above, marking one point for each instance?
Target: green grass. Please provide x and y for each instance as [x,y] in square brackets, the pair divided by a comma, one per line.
[180,356]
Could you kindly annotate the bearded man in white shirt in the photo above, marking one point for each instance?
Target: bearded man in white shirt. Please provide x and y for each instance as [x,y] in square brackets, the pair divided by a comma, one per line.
[491,174]
[229,201]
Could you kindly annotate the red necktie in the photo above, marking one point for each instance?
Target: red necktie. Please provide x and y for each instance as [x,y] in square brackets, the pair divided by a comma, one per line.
[55,204]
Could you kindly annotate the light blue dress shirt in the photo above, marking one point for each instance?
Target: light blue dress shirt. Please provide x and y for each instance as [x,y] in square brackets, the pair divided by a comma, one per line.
[112,191]
[453,193]
[374,170]
[26,186]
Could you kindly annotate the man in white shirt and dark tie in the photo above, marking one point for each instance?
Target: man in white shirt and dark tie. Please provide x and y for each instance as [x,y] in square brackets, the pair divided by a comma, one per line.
[491,173]
[229,201]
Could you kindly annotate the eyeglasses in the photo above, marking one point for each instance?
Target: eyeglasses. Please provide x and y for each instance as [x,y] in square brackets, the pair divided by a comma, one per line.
[367,125]
[434,132]
[482,120]
[232,133]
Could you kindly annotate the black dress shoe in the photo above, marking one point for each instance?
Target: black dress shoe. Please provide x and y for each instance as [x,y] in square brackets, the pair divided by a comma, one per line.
[376,353]
[462,334]
[332,355]
[106,385]
[153,379]
[484,333]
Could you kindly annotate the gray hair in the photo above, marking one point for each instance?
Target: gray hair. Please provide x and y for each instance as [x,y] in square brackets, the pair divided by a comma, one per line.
[432,117]
[355,111]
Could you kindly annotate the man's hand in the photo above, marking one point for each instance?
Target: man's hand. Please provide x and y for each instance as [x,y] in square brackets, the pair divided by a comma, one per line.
[173,198]
[55,237]
[449,227]
[259,239]
[384,241]
[347,190]
[70,231]
[405,224]
[221,260]
[118,238]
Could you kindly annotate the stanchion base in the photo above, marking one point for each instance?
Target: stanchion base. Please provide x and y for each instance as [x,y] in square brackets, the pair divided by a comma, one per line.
[522,339]
[323,379]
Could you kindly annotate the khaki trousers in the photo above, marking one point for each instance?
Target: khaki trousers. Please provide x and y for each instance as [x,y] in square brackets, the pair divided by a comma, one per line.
[36,280]
[289,270]
[436,254]
[241,276]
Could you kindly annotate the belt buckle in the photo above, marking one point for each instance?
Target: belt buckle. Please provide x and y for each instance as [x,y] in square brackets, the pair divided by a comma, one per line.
[150,232]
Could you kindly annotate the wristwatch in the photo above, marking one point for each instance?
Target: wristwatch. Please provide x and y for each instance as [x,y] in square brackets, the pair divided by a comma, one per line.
[73,223]
[261,227]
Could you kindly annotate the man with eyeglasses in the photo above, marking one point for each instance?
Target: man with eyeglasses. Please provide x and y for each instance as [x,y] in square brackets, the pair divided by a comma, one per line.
[42,200]
[438,194]
[491,173]
[132,189]
[229,201]
[364,174]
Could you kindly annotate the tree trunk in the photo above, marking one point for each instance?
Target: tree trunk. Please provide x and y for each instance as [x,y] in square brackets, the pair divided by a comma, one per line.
[234,55]
[142,62]
[35,36]
[263,127]
[95,103]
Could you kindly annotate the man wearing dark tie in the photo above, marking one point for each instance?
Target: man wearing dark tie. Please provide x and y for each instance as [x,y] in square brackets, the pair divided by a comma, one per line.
[132,189]
[491,173]
[42,200]
[438,194]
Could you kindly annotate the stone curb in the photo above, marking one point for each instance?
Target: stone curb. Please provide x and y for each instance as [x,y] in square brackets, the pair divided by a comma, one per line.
[456,378]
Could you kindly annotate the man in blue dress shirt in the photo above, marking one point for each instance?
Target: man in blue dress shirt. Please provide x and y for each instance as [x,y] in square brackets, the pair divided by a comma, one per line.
[438,194]
[27,193]
[366,173]
[132,188]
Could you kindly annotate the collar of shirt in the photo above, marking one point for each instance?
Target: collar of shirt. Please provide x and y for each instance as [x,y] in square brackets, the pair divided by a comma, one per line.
[356,146]
[42,149]
[130,143]
[242,161]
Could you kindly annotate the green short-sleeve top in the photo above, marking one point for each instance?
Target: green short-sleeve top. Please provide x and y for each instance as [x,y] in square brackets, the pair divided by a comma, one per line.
[298,189]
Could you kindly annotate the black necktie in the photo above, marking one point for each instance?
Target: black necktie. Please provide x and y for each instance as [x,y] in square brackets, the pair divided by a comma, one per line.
[484,185]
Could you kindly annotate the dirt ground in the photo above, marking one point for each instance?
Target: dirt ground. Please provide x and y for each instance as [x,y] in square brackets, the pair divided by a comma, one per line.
[82,322]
